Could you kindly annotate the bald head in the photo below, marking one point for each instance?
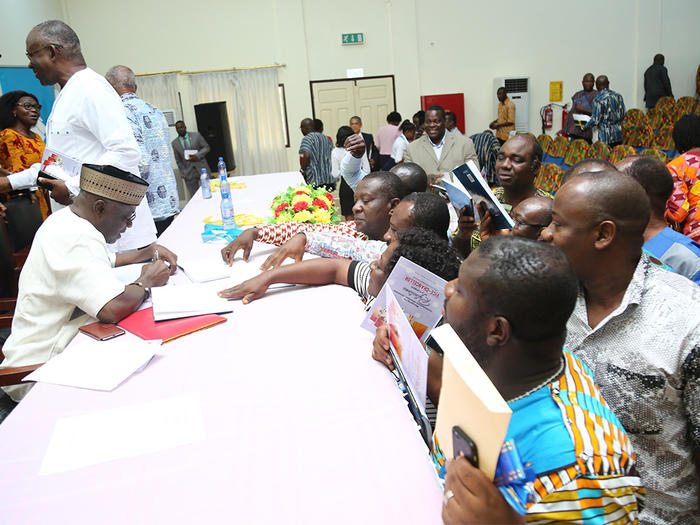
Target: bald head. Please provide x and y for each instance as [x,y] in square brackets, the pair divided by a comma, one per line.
[412,175]
[625,164]
[611,196]
[602,83]
[307,126]
[122,79]
[531,216]
[586,166]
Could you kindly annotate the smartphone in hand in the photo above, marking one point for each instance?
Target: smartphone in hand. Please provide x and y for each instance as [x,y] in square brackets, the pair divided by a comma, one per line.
[462,445]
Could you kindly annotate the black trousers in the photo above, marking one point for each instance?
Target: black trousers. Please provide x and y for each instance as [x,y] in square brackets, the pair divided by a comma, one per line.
[162,224]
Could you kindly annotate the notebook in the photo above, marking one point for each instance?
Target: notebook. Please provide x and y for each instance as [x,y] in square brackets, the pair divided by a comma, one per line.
[469,399]
[141,324]
[186,300]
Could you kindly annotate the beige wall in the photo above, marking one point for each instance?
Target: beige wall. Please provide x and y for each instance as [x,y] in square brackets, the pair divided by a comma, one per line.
[431,47]
[16,21]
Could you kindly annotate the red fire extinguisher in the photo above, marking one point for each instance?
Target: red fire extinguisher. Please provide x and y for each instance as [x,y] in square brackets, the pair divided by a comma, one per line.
[548,116]
[564,116]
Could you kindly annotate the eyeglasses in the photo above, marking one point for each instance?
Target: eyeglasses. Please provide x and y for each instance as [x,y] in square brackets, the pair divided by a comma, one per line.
[131,217]
[30,107]
[32,53]
[517,223]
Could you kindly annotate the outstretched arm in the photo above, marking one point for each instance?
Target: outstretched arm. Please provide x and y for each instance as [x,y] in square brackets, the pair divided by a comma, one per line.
[317,271]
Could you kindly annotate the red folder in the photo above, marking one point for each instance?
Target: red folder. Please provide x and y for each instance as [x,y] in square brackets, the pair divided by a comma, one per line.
[141,323]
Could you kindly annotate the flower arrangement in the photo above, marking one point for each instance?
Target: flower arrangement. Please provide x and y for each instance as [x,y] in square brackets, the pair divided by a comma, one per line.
[304,204]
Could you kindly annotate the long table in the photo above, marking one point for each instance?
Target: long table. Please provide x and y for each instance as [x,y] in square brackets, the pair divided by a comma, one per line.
[301,426]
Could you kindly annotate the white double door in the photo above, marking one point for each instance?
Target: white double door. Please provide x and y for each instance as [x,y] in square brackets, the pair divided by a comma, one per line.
[336,101]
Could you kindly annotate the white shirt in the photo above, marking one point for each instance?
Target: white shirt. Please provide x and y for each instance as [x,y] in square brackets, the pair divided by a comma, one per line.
[65,282]
[456,130]
[337,156]
[399,148]
[437,148]
[351,170]
[88,123]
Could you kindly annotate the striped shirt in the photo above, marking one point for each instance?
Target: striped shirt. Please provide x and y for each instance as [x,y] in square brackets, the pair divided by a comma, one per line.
[580,453]
[319,149]
[487,148]
[583,466]
[358,280]
[608,111]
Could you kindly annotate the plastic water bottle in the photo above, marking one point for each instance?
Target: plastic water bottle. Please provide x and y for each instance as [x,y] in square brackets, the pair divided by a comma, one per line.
[206,185]
[224,186]
[228,218]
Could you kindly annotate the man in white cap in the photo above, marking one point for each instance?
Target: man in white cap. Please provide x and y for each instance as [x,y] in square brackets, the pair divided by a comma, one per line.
[68,280]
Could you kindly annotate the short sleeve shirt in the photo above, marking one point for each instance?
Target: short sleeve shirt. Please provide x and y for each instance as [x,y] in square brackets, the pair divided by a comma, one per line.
[319,148]
[65,282]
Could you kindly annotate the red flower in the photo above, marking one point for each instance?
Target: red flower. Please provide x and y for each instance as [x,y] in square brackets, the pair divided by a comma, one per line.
[320,204]
[301,192]
[329,197]
[300,206]
[281,208]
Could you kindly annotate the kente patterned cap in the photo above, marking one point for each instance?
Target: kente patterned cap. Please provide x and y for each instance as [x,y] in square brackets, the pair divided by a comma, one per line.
[112,183]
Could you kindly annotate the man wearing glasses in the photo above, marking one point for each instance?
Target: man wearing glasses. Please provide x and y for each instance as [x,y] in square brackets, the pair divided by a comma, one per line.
[87,123]
[68,280]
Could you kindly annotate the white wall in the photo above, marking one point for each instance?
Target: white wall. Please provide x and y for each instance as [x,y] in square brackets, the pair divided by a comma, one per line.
[431,47]
[16,21]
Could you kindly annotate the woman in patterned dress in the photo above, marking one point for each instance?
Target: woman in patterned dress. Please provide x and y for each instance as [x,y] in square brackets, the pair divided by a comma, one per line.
[19,149]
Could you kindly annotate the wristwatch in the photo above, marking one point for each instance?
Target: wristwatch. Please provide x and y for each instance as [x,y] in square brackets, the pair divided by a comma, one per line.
[146,290]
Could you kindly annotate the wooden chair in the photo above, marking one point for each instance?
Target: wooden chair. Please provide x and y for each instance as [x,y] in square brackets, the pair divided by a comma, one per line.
[13,375]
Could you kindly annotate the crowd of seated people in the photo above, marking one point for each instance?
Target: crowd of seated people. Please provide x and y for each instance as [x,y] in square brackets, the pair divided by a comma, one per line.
[584,314]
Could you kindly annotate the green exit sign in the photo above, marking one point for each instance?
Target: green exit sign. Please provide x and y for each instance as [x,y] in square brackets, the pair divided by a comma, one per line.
[350,39]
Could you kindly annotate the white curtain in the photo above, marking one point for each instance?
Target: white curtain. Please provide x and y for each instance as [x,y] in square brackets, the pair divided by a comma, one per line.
[259,121]
[160,90]
[252,104]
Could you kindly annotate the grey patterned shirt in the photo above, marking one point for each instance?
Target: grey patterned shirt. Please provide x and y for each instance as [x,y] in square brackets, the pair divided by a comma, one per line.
[646,358]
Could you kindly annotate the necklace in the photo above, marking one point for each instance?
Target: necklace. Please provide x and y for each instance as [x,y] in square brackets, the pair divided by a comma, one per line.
[543,383]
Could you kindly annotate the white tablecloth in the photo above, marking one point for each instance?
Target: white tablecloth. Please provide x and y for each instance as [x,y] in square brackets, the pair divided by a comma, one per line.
[301,426]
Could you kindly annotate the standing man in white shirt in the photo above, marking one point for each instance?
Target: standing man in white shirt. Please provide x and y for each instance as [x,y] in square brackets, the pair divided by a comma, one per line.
[87,123]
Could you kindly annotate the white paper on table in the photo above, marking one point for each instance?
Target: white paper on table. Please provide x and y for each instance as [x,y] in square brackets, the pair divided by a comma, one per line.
[186,300]
[242,271]
[201,270]
[124,432]
[189,153]
[96,365]
[413,357]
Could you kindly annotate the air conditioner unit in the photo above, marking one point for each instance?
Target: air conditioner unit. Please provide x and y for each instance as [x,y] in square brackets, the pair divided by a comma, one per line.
[518,89]
[170,116]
